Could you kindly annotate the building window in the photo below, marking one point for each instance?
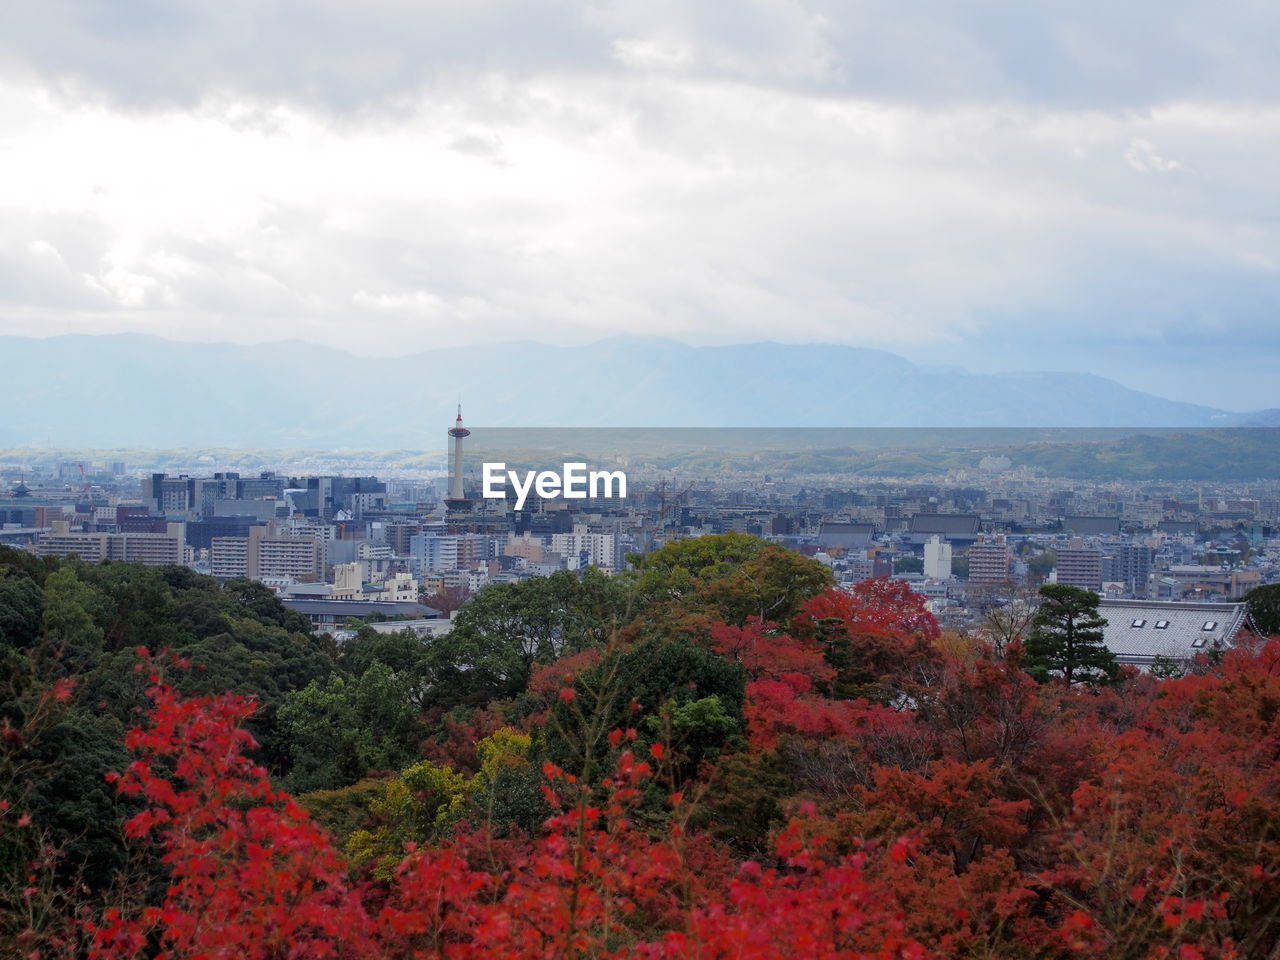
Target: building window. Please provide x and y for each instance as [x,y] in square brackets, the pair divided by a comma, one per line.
[1162,624]
[1138,624]
[1210,625]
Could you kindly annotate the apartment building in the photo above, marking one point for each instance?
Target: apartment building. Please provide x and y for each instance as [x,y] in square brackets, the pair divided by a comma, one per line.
[989,560]
[1080,566]
[156,549]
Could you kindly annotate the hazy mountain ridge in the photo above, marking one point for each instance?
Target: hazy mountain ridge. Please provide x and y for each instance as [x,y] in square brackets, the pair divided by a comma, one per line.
[131,389]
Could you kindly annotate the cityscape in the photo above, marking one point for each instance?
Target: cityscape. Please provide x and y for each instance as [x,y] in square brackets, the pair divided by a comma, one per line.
[639,480]
[409,547]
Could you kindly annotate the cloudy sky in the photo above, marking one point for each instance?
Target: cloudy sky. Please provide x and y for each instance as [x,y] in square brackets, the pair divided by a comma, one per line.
[994,185]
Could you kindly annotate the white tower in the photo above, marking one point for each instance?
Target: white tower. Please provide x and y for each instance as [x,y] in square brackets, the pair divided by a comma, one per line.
[456,501]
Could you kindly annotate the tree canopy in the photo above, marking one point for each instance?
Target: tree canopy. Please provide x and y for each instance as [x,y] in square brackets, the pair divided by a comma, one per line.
[1065,640]
[1263,604]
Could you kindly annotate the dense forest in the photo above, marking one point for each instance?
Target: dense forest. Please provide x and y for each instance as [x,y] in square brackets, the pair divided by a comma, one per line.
[716,755]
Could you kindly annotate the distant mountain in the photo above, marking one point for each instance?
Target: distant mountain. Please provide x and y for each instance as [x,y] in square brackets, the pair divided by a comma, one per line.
[1259,418]
[144,391]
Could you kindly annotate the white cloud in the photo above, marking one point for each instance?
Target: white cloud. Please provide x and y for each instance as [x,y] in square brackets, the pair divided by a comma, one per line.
[706,210]
[912,176]
[650,54]
[1141,155]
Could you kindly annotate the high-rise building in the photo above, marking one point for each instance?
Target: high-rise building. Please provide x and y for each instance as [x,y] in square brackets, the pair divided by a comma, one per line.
[171,495]
[596,549]
[989,560]
[298,557]
[151,548]
[476,548]
[430,551]
[263,553]
[525,546]
[1130,564]
[324,497]
[61,542]
[1080,566]
[229,557]
[398,536]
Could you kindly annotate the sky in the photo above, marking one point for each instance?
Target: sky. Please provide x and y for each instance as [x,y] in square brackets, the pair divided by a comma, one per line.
[1016,185]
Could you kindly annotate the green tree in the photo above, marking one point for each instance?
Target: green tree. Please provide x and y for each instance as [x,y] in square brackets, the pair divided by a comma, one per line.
[746,800]
[1066,638]
[68,629]
[508,628]
[21,603]
[70,797]
[408,654]
[732,576]
[339,730]
[1264,609]
[695,731]
[419,805]
[1043,562]
[659,679]
[140,612]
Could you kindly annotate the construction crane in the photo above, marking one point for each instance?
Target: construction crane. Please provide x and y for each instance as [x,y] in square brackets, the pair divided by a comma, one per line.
[84,506]
[662,502]
[86,491]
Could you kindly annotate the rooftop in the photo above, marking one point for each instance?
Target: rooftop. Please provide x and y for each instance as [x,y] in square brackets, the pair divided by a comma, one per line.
[1138,631]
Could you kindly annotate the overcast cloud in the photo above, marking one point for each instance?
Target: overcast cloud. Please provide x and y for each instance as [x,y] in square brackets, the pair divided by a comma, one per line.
[1084,186]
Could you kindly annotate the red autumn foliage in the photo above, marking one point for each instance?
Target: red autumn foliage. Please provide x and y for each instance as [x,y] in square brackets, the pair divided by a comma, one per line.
[767,653]
[788,706]
[456,746]
[250,875]
[547,680]
[1175,837]
[877,607]
[877,635]
[1032,822]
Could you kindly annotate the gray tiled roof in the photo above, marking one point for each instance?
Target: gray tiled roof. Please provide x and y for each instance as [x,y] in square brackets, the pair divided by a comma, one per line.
[1091,525]
[1182,638]
[359,608]
[833,534]
[946,523]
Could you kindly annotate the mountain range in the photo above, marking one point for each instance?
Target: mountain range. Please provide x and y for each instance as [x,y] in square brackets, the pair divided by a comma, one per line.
[138,390]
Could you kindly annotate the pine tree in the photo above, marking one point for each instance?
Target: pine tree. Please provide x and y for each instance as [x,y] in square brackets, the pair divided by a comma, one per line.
[1066,638]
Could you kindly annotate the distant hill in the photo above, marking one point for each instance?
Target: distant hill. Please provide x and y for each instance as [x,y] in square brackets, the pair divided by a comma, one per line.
[1259,418]
[135,390]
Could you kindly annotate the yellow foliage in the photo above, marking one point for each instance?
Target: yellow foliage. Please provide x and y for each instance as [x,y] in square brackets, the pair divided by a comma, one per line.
[961,647]
[502,749]
[417,806]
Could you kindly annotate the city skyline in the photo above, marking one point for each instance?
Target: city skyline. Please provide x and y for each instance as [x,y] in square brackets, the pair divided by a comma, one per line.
[533,479]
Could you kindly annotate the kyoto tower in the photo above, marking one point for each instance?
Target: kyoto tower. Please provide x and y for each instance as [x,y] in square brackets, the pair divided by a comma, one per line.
[456,501]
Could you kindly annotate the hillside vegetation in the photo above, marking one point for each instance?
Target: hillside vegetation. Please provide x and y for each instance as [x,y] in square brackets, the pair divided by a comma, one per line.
[719,755]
